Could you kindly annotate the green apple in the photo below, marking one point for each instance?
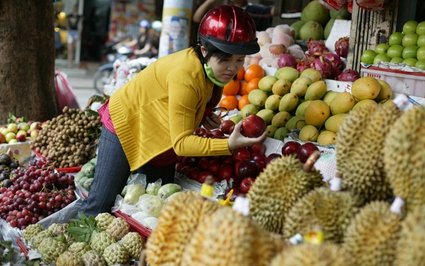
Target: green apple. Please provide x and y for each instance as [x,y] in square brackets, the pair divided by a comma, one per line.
[409,52]
[395,51]
[410,61]
[420,29]
[420,53]
[4,131]
[381,48]
[420,64]
[367,56]
[12,127]
[396,60]
[10,136]
[381,58]
[395,38]
[409,39]
[421,40]
[410,26]
[23,126]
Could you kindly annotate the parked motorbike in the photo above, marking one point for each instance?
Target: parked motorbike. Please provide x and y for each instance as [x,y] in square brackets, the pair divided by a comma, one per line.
[105,73]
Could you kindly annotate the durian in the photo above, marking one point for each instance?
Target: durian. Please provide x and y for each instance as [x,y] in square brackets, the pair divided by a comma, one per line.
[411,244]
[372,235]
[307,254]
[237,239]
[277,188]
[331,210]
[359,150]
[178,220]
[404,157]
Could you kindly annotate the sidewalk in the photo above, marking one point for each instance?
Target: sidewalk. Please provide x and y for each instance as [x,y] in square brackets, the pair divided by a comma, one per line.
[80,78]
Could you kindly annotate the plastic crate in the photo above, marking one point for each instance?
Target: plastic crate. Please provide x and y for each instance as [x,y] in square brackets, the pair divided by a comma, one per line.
[135,226]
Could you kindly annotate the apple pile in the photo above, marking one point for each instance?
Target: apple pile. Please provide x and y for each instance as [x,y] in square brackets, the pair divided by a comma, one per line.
[19,131]
[239,169]
[301,151]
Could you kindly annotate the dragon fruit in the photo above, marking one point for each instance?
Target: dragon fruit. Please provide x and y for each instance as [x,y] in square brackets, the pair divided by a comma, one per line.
[336,61]
[348,75]
[316,48]
[341,46]
[323,65]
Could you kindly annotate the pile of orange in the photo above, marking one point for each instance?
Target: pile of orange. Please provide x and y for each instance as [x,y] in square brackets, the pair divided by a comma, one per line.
[235,93]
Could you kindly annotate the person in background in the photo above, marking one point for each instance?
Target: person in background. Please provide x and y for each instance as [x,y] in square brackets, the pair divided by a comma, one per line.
[74,27]
[151,120]
[144,43]
[261,14]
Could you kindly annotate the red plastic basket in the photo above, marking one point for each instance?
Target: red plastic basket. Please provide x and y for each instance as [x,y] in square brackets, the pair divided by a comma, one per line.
[70,169]
[135,226]
[22,246]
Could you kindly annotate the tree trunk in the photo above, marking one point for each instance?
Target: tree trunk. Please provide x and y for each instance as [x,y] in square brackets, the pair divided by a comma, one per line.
[27,60]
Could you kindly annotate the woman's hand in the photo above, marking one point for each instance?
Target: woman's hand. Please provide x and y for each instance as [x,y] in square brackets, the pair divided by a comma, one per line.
[212,122]
[237,140]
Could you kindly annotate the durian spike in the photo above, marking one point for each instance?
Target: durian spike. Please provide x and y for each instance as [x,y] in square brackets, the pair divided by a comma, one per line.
[336,182]
[312,159]
[402,102]
[397,206]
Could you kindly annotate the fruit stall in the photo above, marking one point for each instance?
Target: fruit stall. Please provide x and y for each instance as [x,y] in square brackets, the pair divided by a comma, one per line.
[337,181]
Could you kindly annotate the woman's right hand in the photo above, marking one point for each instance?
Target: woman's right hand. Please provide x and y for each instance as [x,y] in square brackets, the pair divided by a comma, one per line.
[237,140]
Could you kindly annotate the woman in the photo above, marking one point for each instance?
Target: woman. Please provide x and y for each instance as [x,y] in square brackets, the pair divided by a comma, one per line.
[152,118]
[74,27]
[144,41]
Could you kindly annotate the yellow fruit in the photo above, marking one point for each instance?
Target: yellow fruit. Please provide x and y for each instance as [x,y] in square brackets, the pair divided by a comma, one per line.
[266,83]
[365,88]
[326,137]
[342,103]
[295,122]
[281,133]
[308,133]
[248,109]
[271,130]
[288,102]
[301,108]
[236,118]
[387,102]
[272,102]
[281,87]
[280,119]
[385,93]
[329,95]
[316,113]
[333,122]
[257,97]
[288,73]
[311,73]
[300,85]
[316,90]
[362,103]
[266,115]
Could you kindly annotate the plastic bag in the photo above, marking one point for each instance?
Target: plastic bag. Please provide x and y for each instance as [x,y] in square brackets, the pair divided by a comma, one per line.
[64,94]
[153,187]
[373,5]
[150,204]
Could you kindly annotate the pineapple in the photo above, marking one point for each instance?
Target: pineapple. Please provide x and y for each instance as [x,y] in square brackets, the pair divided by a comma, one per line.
[31,231]
[93,258]
[133,243]
[118,228]
[69,258]
[50,249]
[104,219]
[101,240]
[116,254]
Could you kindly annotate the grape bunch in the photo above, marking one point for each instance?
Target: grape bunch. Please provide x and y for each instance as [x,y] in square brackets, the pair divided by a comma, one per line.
[37,192]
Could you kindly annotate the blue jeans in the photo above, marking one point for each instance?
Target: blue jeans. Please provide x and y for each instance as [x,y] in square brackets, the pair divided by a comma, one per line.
[111,174]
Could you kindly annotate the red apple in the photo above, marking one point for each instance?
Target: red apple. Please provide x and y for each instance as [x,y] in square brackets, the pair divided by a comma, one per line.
[203,163]
[259,147]
[241,153]
[199,131]
[207,134]
[305,150]
[203,175]
[290,147]
[178,166]
[225,171]
[185,170]
[21,136]
[2,138]
[271,157]
[261,165]
[253,126]
[217,133]
[248,168]
[214,165]
[226,125]
[257,156]
[228,159]
[191,161]
[34,125]
[246,184]
[193,173]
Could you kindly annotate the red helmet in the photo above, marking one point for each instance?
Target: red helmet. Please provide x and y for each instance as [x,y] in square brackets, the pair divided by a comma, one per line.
[230,29]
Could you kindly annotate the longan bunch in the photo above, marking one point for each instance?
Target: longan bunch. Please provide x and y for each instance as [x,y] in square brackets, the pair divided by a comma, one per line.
[69,139]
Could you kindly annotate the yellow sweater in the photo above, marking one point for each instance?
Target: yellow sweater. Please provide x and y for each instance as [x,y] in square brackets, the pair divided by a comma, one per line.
[161,107]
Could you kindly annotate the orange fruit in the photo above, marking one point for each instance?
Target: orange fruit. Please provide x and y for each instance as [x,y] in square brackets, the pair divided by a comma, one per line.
[241,74]
[254,71]
[242,89]
[231,88]
[252,85]
[243,101]
[230,102]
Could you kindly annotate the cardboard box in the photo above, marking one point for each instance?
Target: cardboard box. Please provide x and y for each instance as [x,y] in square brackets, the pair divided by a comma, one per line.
[20,151]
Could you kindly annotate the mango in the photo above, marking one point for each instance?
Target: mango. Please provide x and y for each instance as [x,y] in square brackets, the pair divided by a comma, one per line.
[288,102]
[266,83]
[288,73]
[257,97]
[333,122]
[300,85]
[329,95]
[270,131]
[388,102]
[236,118]
[308,133]
[281,133]
[311,73]
[295,122]
[362,103]
[365,88]
[301,107]
[316,90]
[316,113]
[386,91]
[326,138]
[280,119]
[342,103]
[272,102]
[248,109]
[266,115]
[281,87]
